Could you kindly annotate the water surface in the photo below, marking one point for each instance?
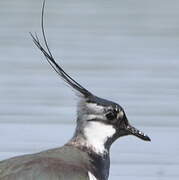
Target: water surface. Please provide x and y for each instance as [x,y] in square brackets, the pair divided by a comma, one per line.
[126,51]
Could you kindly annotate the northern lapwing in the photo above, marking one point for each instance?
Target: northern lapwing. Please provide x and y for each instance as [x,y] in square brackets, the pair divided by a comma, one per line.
[86,156]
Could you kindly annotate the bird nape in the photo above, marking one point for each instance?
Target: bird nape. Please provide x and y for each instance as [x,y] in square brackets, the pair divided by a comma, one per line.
[86,155]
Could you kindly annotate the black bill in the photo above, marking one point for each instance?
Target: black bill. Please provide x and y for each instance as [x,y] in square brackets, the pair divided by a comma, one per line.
[132,130]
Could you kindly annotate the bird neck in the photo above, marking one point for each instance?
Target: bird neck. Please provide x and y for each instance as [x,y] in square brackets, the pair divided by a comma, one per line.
[101,166]
[99,163]
[95,136]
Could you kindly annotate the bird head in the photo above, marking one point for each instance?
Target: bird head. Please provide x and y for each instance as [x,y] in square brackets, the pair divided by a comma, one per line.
[99,121]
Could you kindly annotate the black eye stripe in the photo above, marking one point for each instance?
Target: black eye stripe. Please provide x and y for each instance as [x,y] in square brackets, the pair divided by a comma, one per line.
[112,114]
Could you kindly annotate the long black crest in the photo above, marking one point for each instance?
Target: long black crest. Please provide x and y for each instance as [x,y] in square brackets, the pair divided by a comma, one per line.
[49,57]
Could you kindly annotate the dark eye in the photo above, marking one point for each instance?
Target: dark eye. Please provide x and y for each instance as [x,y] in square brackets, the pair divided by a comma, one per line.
[110,115]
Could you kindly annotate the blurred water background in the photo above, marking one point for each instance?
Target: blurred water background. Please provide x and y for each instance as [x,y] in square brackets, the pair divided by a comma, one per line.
[126,51]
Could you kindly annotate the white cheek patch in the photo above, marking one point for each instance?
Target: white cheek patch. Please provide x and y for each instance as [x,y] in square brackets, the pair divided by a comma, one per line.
[94,116]
[95,108]
[97,134]
[91,176]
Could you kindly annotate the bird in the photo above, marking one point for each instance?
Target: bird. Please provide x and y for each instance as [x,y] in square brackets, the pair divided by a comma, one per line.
[86,156]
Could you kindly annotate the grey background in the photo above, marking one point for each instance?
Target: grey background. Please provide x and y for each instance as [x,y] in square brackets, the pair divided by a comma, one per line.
[126,51]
